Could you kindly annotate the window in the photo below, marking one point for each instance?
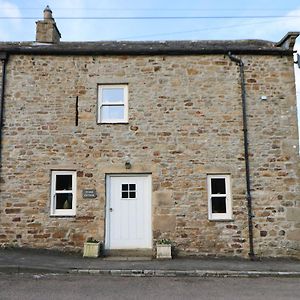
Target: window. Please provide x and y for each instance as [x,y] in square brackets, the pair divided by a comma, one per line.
[112,104]
[219,197]
[128,191]
[63,193]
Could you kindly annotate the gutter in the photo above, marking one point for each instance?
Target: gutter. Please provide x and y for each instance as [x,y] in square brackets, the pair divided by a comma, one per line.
[4,60]
[240,63]
[65,51]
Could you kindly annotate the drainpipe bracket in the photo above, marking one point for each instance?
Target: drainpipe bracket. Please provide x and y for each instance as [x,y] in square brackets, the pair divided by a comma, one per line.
[3,56]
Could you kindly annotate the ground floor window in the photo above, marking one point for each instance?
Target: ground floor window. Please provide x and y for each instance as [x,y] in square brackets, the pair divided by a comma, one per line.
[219,197]
[63,193]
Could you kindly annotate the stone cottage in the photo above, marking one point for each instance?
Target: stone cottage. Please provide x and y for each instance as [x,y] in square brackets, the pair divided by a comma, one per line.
[132,142]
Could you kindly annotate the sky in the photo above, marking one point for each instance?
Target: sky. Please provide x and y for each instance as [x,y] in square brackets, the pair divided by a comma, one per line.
[230,19]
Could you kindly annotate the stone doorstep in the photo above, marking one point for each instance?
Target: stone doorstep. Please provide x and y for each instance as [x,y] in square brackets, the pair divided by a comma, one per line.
[127,258]
[128,254]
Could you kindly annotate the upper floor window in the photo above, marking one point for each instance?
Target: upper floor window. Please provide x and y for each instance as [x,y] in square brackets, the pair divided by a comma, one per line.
[219,197]
[112,104]
[63,193]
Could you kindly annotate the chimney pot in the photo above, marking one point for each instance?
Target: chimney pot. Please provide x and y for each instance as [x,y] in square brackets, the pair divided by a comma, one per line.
[47,13]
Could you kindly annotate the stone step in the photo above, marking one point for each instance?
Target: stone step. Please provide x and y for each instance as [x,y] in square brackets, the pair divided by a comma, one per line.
[128,253]
[127,258]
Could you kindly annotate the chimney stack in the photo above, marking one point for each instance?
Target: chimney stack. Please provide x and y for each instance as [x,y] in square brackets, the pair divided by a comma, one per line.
[46,30]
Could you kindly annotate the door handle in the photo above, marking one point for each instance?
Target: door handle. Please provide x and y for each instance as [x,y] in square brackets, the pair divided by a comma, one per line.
[110,209]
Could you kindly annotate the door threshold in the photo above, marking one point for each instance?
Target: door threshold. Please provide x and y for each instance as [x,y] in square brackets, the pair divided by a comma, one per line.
[128,253]
[127,258]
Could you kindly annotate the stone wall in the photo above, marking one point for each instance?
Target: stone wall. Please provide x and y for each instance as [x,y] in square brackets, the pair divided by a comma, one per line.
[185,121]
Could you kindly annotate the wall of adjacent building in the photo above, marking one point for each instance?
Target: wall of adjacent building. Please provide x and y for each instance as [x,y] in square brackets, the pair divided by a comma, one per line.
[185,121]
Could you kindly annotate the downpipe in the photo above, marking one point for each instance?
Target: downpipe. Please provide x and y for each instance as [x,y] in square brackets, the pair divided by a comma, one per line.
[240,63]
[4,60]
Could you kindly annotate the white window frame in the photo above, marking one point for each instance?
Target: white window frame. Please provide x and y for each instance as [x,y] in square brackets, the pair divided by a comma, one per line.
[220,216]
[63,212]
[101,104]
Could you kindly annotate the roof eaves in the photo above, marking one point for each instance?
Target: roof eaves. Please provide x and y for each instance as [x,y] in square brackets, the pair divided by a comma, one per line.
[258,47]
[144,51]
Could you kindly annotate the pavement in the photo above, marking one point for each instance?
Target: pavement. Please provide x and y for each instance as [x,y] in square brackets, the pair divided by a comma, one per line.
[20,260]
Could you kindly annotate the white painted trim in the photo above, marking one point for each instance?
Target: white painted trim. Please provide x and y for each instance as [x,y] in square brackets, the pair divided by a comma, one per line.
[125,103]
[220,216]
[107,212]
[63,212]
[107,209]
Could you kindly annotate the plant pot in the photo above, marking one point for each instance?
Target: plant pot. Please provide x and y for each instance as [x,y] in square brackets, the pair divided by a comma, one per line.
[91,249]
[163,251]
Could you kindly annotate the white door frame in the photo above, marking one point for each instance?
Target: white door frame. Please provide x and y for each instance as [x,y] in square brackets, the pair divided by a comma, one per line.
[108,201]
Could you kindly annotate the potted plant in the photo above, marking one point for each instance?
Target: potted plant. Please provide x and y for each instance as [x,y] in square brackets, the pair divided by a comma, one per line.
[164,249]
[91,248]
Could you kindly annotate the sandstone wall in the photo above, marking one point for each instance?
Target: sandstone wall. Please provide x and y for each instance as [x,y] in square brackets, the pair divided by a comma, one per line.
[185,121]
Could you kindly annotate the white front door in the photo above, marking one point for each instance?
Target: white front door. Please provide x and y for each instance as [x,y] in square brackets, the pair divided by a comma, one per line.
[128,212]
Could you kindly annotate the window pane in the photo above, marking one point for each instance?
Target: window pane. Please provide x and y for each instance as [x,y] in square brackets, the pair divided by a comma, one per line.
[131,194]
[218,205]
[132,187]
[112,95]
[63,182]
[124,187]
[218,186]
[124,194]
[112,113]
[64,201]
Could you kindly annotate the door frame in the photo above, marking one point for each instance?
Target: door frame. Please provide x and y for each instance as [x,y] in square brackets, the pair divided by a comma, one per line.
[107,205]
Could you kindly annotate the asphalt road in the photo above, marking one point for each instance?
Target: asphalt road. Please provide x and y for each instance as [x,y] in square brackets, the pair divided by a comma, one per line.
[28,286]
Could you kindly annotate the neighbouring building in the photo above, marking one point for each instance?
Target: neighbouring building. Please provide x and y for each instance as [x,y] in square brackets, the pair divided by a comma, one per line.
[132,142]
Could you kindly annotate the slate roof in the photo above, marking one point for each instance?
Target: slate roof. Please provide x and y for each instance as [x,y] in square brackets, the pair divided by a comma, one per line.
[152,47]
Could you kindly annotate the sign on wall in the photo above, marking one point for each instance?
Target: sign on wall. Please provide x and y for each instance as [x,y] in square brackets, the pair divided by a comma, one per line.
[89,193]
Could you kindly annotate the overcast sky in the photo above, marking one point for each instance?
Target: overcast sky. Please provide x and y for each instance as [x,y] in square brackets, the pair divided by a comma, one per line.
[218,28]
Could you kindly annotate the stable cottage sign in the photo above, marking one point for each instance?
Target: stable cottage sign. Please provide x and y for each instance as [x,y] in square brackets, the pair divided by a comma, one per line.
[89,193]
